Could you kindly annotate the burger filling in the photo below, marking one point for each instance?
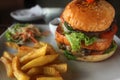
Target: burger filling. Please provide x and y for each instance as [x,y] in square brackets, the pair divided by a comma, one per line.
[85,52]
[75,38]
[81,43]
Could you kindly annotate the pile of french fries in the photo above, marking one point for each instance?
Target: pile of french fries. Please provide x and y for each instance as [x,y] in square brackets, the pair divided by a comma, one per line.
[37,62]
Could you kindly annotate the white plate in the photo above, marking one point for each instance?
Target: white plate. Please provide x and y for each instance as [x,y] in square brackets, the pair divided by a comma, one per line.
[105,70]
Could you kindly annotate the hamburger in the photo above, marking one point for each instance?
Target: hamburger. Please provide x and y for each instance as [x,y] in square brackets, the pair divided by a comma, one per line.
[86,30]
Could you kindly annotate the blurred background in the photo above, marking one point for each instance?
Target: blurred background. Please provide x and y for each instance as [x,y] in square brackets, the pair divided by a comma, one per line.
[8,6]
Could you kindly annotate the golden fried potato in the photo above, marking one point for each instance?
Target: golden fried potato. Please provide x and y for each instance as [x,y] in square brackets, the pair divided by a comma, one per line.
[34,54]
[50,78]
[35,71]
[12,45]
[40,61]
[62,67]
[37,62]
[23,50]
[50,49]
[16,70]
[39,44]
[50,71]
[8,55]
[8,66]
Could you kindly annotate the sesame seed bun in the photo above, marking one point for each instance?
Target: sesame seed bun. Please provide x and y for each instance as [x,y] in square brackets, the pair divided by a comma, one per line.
[89,17]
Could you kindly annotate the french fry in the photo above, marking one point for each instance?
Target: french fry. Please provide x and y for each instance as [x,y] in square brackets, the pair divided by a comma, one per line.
[50,49]
[42,43]
[8,66]
[40,61]
[34,54]
[62,68]
[8,55]
[35,71]
[12,45]
[16,70]
[50,71]
[49,78]
[39,44]
[23,50]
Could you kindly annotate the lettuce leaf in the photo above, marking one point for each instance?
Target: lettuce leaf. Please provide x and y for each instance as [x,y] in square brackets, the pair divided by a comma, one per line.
[112,48]
[69,55]
[75,39]
[68,26]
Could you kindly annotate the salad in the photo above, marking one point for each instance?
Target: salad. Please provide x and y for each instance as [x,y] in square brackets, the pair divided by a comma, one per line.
[20,33]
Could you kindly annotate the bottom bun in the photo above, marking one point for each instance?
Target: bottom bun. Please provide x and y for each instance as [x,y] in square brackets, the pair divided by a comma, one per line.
[96,58]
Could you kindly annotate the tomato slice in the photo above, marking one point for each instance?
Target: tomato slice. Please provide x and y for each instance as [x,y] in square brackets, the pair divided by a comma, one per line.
[109,34]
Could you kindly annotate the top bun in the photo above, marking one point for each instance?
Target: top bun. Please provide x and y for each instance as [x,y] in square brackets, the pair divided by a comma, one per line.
[89,17]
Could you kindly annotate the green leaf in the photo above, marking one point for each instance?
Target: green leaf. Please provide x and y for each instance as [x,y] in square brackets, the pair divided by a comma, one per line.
[89,40]
[69,55]
[112,47]
[8,36]
[68,27]
[75,39]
